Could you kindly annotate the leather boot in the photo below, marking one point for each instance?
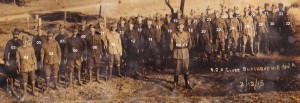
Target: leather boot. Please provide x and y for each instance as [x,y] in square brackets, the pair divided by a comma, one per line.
[224,55]
[79,77]
[47,84]
[97,75]
[258,48]
[24,92]
[119,72]
[110,72]
[70,80]
[252,51]
[56,82]
[175,82]
[33,89]
[90,76]
[186,80]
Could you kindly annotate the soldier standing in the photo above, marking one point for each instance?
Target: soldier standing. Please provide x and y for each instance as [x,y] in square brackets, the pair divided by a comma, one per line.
[132,45]
[205,38]
[74,55]
[122,27]
[152,51]
[272,26]
[114,45]
[95,48]
[233,32]
[61,39]
[157,24]
[262,36]
[191,27]
[51,57]
[219,27]
[103,31]
[10,57]
[167,29]
[139,26]
[180,43]
[27,65]
[248,33]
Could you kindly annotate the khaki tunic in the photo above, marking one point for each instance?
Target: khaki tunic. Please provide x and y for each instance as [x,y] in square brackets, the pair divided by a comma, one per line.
[26,59]
[114,43]
[180,44]
[50,52]
[261,24]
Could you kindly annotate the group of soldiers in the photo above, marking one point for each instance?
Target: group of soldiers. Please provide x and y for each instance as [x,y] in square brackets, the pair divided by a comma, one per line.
[135,44]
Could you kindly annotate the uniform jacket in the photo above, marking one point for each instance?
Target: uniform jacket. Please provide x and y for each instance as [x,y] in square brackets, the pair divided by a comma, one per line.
[11,48]
[261,23]
[74,48]
[132,43]
[247,26]
[26,59]
[37,43]
[180,44]
[61,39]
[51,52]
[95,46]
[167,30]
[233,28]
[114,43]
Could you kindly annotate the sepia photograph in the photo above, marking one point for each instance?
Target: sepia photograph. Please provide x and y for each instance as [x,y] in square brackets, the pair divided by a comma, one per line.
[149,51]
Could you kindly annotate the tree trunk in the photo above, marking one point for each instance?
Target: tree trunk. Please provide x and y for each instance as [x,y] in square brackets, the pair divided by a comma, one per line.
[182,7]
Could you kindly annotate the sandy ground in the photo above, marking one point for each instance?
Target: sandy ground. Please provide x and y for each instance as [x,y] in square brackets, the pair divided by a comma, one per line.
[156,87]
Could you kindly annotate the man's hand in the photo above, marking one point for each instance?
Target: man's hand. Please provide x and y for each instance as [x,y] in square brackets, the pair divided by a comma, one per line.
[7,63]
[19,70]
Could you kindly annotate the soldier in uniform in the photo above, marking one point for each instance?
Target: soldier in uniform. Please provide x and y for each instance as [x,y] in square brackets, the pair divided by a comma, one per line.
[248,33]
[191,27]
[103,31]
[121,28]
[152,52]
[139,26]
[95,48]
[262,37]
[205,38]
[114,45]
[157,24]
[233,33]
[61,39]
[27,65]
[74,55]
[272,26]
[10,57]
[180,43]
[51,57]
[219,34]
[132,45]
[167,29]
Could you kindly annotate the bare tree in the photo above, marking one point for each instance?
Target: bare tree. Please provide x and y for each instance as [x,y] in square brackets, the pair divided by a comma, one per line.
[172,9]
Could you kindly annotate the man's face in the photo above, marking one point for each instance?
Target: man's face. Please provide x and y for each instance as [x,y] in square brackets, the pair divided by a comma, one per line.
[50,38]
[140,20]
[62,31]
[101,25]
[217,14]
[25,42]
[267,8]
[82,27]
[180,27]
[16,36]
[122,23]
[131,26]
[230,14]
[75,32]
[169,20]
[92,29]
[149,23]
[113,28]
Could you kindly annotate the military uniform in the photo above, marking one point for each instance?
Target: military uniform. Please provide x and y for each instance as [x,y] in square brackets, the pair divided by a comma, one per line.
[132,46]
[121,29]
[152,52]
[61,38]
[180,43]
[27,65]
[233,34]
[74,55]
[205,38]
[167,29]
[248,33]
[219,35]
[9,57]
[273,30]
[51,57]
[114,47]
[95,48]
[262,36]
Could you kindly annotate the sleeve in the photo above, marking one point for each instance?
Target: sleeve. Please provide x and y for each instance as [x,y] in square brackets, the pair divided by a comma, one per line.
[6,51]
[66,48]
[190,41]
[163,40]
[58,49]
[33,57]
[18,58]
[171,42]
[42,53]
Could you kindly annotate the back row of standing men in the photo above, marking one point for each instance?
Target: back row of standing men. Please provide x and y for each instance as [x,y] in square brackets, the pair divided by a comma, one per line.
[135,44]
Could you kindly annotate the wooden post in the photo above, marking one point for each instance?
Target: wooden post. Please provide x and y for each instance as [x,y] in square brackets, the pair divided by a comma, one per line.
[36,22]
[40,22]
[100,10]
[65,17]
